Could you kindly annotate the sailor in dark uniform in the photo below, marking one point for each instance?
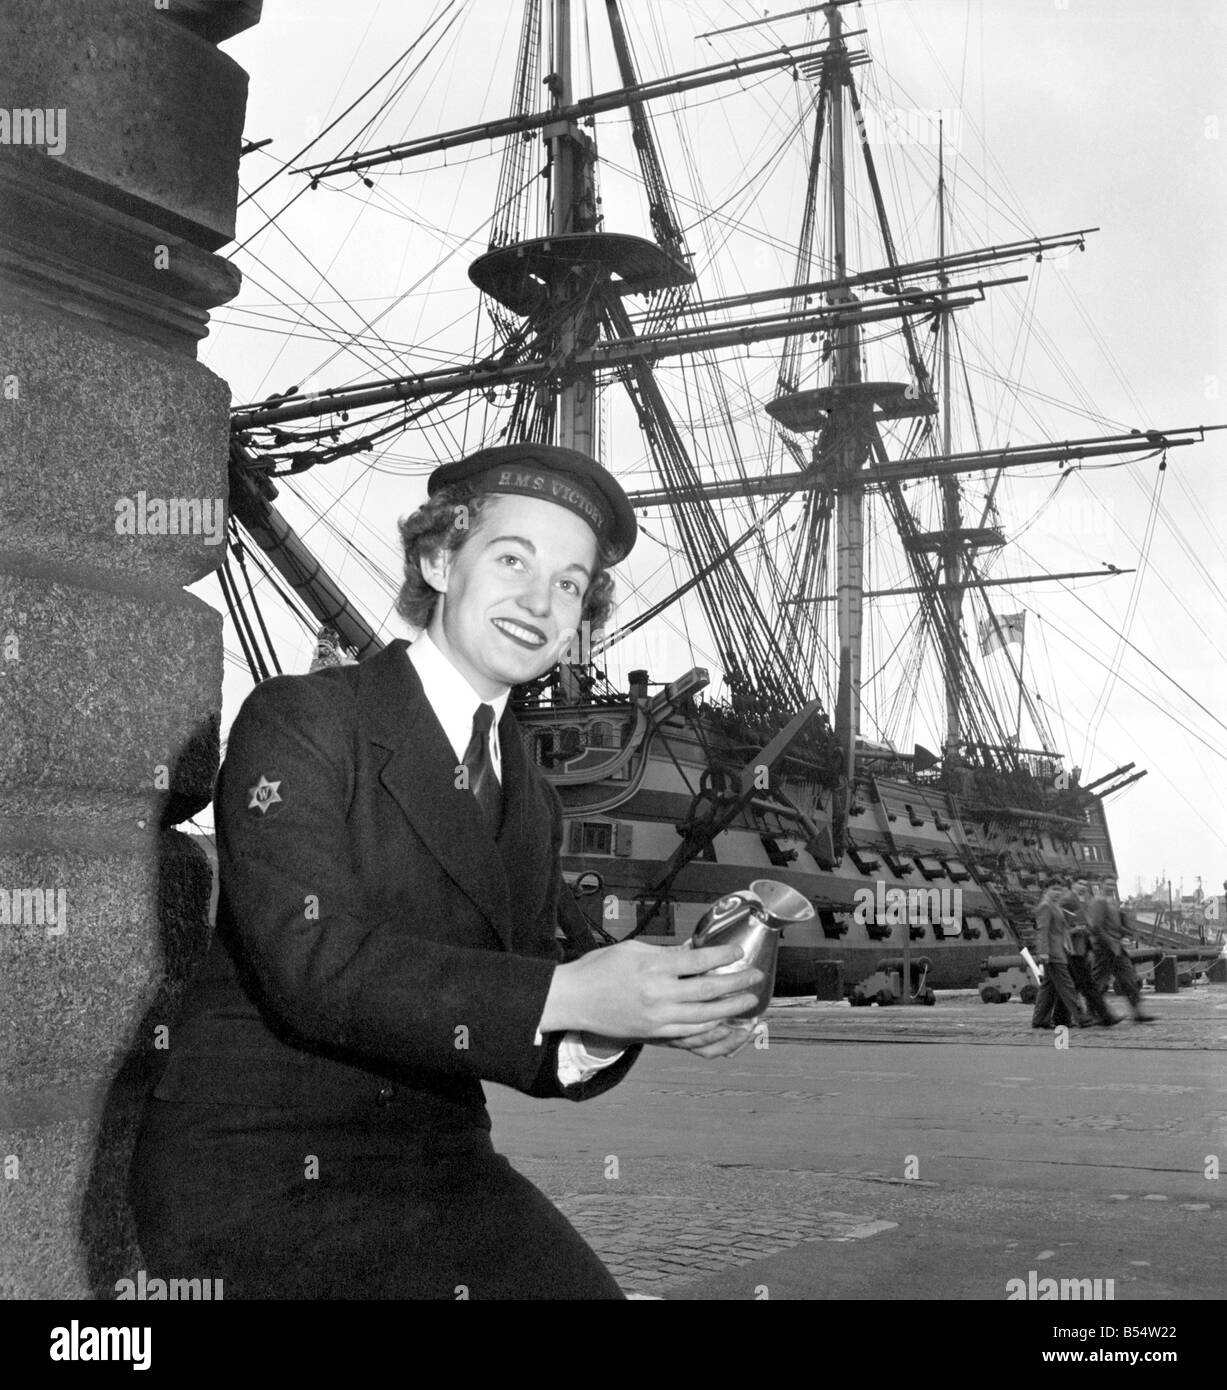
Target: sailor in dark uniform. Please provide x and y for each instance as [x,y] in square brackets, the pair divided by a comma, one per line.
[1110,960]
[1081,964]
[386,941]
[1057,1000]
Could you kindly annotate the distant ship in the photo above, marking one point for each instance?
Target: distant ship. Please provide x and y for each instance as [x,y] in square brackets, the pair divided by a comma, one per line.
[1180,920]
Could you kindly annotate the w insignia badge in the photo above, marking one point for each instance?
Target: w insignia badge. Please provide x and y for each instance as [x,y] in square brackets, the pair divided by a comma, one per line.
[263,795]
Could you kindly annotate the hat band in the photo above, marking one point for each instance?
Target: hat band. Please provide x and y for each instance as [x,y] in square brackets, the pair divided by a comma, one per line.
[550,487]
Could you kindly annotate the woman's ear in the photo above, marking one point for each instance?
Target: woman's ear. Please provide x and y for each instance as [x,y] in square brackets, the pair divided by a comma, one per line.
[435,568]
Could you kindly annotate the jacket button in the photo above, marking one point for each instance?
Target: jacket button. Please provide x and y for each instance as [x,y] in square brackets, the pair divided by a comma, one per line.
[385,1094]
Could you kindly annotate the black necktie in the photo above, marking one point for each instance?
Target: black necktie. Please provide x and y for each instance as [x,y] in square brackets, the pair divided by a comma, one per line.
[482,780]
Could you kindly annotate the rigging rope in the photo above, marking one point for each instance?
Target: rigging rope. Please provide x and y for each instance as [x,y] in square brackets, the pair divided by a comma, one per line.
[1130,609]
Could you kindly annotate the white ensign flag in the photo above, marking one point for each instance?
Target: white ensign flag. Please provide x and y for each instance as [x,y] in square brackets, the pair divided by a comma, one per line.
[996,632]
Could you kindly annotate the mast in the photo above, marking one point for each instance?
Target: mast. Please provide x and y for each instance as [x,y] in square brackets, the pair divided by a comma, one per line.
[573,209]
[1022,659]
[850,497]
[564,166]
[952,520]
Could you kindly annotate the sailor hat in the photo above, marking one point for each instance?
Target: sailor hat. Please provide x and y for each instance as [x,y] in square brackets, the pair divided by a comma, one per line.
[563,476]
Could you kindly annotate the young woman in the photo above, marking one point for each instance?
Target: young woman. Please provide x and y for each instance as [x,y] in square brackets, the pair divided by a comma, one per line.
[387,939]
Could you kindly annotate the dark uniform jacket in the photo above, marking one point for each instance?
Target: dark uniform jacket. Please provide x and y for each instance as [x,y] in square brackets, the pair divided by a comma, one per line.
[1107,927]
[374,937]
[1051,931]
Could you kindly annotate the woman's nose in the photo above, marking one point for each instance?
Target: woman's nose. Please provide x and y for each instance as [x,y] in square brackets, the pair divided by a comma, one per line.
[535,597]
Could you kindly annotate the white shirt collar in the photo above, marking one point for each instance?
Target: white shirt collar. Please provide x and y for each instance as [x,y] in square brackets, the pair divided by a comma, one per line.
[453,699]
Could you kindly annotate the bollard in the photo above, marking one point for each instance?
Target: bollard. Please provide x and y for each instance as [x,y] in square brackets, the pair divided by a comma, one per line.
[1165,976]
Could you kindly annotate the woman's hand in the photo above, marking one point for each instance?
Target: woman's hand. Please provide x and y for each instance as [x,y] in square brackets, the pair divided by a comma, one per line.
[641,993]
[721,1040]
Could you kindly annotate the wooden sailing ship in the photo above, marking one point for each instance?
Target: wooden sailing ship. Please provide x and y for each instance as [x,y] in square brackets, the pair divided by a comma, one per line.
[680,785]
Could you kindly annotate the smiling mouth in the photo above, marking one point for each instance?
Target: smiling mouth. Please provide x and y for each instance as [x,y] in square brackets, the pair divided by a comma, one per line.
[522,633]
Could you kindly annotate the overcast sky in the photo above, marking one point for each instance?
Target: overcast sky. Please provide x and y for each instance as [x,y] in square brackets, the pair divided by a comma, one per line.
[1095,113]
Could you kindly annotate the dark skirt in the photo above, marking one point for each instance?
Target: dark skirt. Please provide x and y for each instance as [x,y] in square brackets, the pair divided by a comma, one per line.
[298,1203]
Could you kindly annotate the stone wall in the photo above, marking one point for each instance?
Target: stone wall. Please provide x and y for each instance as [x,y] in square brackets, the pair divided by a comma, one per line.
[120,131]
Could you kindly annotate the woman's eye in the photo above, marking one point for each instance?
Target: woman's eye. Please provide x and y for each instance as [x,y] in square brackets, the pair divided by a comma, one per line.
[510,560]
[570,585]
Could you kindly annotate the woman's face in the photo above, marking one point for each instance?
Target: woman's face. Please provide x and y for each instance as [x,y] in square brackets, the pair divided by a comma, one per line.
[513,593]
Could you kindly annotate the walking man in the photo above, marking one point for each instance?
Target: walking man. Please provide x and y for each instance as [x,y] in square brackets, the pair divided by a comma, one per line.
[1052,952]
[1110,960]
[1081,967]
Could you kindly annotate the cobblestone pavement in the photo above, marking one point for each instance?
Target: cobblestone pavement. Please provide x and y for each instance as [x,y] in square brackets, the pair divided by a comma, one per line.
[650,1244]
[902,1153]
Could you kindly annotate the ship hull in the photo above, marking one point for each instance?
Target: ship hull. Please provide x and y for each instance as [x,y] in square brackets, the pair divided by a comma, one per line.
[957,879]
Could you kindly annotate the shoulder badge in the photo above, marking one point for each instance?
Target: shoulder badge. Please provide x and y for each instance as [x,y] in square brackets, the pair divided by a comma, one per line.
[263,795]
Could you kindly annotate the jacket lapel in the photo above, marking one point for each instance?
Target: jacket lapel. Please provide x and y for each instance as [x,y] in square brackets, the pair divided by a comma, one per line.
[419,773]
[524,839]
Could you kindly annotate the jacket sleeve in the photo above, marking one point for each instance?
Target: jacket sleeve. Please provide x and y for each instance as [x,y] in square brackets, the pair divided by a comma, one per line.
[1043,930]
[561,910]
[1105,923]
[330,975]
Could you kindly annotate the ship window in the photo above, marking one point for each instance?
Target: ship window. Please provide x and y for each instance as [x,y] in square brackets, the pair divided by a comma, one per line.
[776,852]
[995,927]
[913,816]
[878,931]
[601,735]
[957,870]
[930,867]
[833,923]
[899,866]
[971,928]
[660,923]
[864,861]
[591,837]
[558,746]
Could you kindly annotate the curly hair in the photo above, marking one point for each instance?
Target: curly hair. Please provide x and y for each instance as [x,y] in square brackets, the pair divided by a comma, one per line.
[444,522]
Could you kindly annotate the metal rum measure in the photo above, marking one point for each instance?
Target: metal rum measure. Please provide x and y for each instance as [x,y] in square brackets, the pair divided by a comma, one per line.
[754,920]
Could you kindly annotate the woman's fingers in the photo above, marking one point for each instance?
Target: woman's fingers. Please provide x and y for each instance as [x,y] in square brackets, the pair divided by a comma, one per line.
[691,960]
[713,992]
[691,1018]
[722,1041]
